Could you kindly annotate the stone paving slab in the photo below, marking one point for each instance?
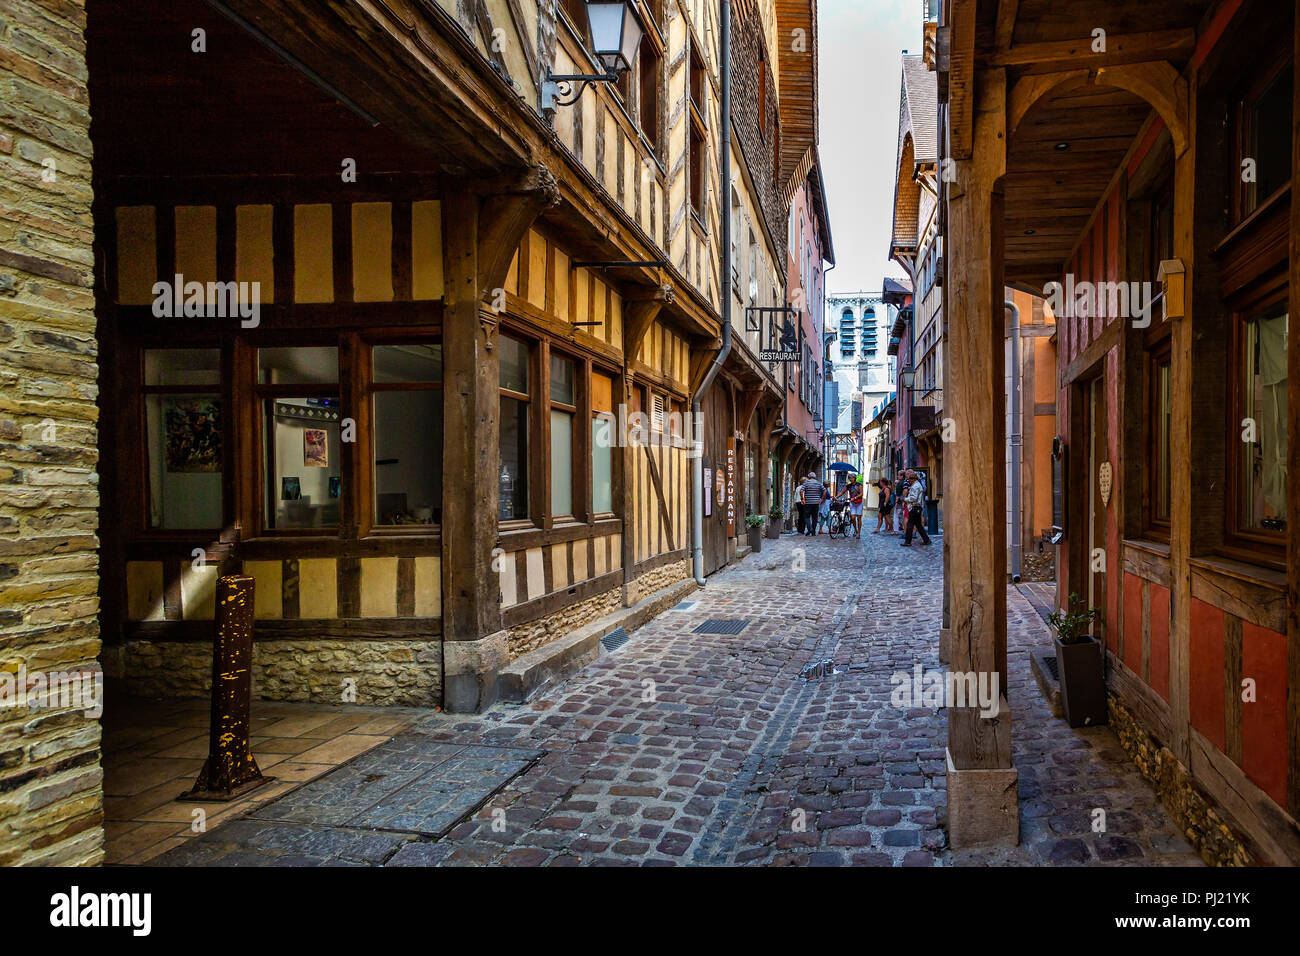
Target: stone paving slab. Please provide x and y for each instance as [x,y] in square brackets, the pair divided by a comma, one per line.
[685,748]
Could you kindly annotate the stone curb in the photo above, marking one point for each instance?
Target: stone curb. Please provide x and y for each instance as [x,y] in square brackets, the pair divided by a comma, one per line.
[527,675]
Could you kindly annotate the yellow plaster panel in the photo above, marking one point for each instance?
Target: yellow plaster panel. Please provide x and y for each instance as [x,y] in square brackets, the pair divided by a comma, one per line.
[536,573]
[601,555]
[313,253]
[512,276]
[581,290]
[536,270]
[428,587]
[579,561]
[196,243]
[144,590]
[615,337]
[198,591]
[616,551]
[426,250]
[254,249]
[379,587]
[268,580]
[509,581]
[137,255]
[559,567]
[598,290]
[562,285]
[318,588]
[372,252]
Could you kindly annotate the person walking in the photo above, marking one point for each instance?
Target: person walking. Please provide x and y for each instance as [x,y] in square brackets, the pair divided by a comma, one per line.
[884,506]
[915,509]
[900,502]
[855,494]
[812,491]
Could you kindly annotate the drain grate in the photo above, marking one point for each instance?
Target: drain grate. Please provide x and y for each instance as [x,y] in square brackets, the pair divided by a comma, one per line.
[822,668]
[615,639]
[721,625]
[1049,661]
[684,606]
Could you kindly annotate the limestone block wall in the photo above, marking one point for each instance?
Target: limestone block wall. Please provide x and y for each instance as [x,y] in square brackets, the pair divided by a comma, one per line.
[51,783]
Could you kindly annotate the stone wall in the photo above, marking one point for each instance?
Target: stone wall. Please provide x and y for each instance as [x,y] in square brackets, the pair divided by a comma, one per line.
[51,783]
[657,579]
[1191,809]
[387,673]
[534,634]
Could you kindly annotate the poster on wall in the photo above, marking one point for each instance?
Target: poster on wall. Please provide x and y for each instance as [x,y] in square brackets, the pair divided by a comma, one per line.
[315,452]
[708,499]
[719,488]
[193,427]
[731,487]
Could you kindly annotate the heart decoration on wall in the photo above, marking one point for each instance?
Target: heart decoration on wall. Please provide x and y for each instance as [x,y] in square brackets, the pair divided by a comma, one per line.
[1104,482]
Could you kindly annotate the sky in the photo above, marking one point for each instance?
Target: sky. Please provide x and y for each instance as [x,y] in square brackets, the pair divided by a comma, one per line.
[861,45]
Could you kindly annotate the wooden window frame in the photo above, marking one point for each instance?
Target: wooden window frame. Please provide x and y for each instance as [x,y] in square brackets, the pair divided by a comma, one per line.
[1245,202]
[1157,354]
[536,432]
[365,502]
[1253,547]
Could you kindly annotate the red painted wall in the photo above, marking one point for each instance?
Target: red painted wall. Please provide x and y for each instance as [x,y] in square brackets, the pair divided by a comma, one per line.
[1133,623]
[1264,746]
[1159,639]
[1207,666]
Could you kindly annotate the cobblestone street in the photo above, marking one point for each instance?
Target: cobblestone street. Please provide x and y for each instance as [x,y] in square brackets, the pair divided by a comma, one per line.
[695,748]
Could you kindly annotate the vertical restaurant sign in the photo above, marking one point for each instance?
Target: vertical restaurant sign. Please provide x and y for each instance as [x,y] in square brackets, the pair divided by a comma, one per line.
[731,487]
[708,499]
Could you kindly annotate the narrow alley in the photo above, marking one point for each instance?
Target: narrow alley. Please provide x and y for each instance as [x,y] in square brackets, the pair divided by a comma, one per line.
[686,747]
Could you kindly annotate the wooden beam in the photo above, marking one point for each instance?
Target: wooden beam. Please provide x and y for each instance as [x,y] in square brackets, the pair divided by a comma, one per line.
[504,219]
[1007,10]
[638,319]
[664,516]
[1163,87]
[1125,48]
[961,78]
[1028,90]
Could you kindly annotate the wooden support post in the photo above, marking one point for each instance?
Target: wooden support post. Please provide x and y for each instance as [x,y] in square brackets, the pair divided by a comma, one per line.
[230,770]
[1293,496]
[1182,441]
[481,231]
[982,805]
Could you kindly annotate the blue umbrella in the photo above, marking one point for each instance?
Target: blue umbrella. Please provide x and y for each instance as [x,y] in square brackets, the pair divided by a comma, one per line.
[844,466]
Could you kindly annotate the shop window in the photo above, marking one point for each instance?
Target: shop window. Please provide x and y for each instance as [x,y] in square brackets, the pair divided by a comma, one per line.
[564,408]
[602,442]
[406,392]
[515,357]
[650,68]
[1260,477]
[298,388]
[183,429]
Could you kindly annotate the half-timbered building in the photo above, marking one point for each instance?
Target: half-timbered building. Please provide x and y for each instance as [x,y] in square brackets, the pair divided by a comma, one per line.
[1133,163]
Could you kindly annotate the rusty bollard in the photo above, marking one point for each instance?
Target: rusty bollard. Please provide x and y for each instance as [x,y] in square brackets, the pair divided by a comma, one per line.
[230,770]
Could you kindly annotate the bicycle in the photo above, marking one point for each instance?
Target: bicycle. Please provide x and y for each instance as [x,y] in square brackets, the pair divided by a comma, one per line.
[839,522]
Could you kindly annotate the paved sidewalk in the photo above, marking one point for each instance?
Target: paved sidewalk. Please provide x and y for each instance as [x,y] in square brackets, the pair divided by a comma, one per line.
[697,748]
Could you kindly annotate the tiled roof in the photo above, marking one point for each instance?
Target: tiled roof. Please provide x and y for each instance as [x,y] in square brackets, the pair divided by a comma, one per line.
[919,110]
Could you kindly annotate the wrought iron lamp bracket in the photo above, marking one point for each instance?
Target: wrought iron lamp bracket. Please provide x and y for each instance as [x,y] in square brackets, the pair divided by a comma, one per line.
[564,89]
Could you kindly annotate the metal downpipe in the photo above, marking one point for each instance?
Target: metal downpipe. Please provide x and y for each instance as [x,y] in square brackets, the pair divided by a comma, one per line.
[1015,441]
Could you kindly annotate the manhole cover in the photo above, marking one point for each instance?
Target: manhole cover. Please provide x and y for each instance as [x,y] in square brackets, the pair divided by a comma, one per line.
[615,639]
[818,669]
[721,625]
[1049,661]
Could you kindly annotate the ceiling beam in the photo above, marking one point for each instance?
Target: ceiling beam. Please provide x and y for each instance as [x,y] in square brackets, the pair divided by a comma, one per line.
[1124,48]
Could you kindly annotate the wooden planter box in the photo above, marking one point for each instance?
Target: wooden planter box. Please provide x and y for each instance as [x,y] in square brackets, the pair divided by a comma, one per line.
[1083,686]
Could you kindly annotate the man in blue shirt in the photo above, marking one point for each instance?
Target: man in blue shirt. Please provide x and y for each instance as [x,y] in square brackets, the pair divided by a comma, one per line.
[812,491]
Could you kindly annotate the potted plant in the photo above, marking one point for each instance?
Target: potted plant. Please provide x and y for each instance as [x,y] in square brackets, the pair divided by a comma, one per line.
[776,522]
[754,527]
[1079,663]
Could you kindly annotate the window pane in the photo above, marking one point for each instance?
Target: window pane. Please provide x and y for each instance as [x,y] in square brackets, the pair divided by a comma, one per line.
[513,477]
[602,466]
[514,364]
[183,436]
[1264,477]
[302,462]
[408,363]
[408,457]
[298,366]
[1162,450]
[1270,121]
[562,379]
[182,367]
[561,463]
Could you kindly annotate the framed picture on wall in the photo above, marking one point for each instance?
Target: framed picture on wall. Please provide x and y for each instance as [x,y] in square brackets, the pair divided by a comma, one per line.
[193,429]
[290,489]
[316,453]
